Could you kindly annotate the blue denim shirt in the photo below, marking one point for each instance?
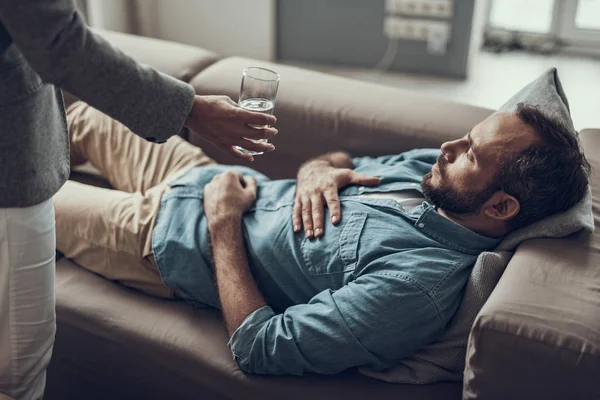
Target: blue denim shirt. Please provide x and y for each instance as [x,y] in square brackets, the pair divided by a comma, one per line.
[375,288]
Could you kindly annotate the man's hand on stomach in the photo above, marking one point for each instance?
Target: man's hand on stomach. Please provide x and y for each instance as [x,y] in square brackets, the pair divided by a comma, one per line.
[317,185]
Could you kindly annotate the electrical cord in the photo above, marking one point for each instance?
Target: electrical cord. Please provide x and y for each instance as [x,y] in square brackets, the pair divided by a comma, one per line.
[389,56]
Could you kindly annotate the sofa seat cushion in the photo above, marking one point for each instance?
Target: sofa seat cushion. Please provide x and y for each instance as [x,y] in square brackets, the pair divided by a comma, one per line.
[114,342]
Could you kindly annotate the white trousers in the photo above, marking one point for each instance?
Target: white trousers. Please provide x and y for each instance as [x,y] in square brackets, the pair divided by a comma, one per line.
[27,315]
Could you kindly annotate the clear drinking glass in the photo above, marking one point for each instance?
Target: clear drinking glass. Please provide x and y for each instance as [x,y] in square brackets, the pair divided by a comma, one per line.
[258,93]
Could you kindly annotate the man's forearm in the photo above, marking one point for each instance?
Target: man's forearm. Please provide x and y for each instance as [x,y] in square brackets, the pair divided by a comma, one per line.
[338,159]
[238,292]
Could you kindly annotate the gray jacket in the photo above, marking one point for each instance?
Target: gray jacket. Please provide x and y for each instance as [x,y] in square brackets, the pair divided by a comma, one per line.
[45,44]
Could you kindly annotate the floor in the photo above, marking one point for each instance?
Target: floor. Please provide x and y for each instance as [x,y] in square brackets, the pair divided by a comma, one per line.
[493,78]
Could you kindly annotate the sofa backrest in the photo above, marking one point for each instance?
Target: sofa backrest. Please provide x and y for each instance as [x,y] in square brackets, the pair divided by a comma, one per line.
[178,60]
[318,113]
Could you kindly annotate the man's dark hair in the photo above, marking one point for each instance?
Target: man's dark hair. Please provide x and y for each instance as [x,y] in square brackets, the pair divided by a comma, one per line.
[546,178]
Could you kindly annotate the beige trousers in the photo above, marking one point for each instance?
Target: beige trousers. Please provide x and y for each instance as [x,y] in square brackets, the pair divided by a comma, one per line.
[109,231]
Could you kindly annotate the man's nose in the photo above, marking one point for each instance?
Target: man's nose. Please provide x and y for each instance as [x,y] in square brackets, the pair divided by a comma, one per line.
[448,150]
[452,148]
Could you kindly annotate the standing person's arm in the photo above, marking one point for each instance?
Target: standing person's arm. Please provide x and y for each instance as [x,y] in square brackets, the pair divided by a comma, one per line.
[54,39]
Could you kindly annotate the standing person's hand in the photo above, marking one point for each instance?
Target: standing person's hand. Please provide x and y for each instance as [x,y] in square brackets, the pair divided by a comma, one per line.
[220,121]
[318,184]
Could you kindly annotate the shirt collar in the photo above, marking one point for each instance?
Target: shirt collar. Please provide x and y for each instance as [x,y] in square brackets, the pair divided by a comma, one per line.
[450,233]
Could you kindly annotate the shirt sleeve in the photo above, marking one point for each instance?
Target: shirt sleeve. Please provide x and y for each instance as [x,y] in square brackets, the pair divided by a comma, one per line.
[375,320]
[428,156]
[54,39]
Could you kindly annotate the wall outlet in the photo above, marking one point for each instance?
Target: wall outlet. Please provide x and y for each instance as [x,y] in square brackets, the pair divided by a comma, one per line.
[416,29]
[421,8]
[404,28]
[438,36]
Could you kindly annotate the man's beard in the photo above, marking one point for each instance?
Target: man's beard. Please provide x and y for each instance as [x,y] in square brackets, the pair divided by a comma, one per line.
[451,200]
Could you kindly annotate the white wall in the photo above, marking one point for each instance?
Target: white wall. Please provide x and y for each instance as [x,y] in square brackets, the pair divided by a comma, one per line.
[109,14]
[229,27]
[480,18]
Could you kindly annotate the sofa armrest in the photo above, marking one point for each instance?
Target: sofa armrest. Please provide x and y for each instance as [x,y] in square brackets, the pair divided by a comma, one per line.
[178,60]
[538,335]
[317,113]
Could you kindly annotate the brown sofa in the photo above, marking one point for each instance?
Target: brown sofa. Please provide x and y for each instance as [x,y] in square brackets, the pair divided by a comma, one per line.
[113,342]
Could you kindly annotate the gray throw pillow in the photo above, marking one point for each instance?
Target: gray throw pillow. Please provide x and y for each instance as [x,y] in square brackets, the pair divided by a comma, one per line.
[547,93]
[444,360]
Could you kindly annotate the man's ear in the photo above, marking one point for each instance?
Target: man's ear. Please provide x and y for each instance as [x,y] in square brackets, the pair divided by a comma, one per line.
[501,206]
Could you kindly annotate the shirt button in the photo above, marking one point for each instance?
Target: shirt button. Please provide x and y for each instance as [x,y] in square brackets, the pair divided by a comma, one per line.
[361,189]
[421,225]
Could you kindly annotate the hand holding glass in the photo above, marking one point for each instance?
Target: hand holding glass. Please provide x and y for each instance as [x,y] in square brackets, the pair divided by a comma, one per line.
[258,93]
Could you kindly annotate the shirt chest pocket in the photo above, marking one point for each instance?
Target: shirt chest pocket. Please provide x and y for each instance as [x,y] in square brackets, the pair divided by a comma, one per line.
[337,250]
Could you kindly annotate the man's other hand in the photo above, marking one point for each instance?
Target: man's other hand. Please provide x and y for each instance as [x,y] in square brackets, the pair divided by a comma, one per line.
[318,184]
[219,120]
[228,196]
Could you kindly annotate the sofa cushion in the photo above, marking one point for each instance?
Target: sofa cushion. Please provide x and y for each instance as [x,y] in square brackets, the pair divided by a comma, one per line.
[115,342]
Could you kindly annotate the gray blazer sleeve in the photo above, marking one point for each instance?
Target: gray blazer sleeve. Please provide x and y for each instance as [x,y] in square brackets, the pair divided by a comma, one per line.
[58,45]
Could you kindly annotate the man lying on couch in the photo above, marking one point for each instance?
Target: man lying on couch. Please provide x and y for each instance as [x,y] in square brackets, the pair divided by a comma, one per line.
[377,273]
